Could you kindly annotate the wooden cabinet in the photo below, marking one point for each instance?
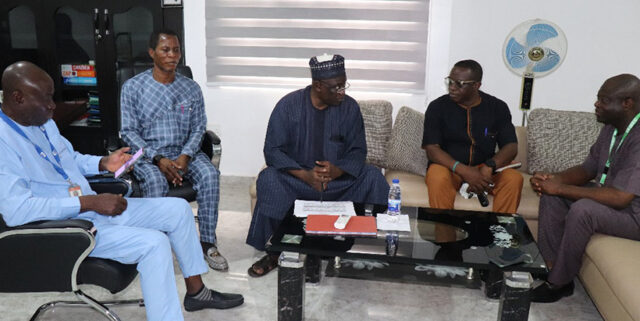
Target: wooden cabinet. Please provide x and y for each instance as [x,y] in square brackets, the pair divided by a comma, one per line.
[81,44]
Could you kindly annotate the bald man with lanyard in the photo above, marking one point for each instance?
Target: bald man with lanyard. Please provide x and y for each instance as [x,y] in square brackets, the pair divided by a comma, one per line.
[43,179]
[573,207]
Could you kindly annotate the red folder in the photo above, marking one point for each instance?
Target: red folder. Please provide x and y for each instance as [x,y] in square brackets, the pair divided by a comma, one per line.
[357,225]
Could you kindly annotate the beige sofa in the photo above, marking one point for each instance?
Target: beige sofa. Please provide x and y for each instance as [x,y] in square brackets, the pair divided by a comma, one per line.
[552,141]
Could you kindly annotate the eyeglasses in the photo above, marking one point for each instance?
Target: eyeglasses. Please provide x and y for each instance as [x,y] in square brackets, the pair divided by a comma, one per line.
[336,89]
[605,100]
[457,83]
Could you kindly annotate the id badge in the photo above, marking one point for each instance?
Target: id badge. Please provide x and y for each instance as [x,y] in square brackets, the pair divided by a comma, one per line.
[75,190]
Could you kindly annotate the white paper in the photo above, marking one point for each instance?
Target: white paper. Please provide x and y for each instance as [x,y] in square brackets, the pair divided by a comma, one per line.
[303,208]
[399,223]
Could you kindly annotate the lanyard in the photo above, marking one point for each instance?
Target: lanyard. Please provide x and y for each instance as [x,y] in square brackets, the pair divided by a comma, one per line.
[607,165]
[56,165]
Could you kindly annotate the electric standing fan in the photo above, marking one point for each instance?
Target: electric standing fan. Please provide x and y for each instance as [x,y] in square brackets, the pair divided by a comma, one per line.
[533,49]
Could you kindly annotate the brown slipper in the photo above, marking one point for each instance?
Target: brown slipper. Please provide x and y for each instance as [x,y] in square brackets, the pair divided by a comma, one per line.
[263,266]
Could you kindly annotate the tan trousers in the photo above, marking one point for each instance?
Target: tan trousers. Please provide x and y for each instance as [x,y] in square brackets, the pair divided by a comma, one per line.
[443,185]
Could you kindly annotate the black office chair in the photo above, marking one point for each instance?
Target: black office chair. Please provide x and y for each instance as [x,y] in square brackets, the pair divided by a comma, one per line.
[211,143]
[52,256]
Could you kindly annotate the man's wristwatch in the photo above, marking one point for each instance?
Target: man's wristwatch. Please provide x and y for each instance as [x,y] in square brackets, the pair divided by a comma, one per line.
[157,159]
[491,163]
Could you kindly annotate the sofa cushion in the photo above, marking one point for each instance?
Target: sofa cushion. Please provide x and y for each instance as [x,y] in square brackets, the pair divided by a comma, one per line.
[377,116]
[414,190]
[405,151]
[415,193]
[559,139]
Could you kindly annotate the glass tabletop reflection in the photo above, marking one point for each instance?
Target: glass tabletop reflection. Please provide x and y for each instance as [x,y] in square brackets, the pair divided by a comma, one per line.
[481,240]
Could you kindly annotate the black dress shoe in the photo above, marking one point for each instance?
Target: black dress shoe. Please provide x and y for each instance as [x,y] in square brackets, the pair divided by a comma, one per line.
[547,292]
[218,301]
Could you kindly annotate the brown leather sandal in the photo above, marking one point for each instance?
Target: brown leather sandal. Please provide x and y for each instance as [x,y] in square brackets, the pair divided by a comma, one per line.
[266,264]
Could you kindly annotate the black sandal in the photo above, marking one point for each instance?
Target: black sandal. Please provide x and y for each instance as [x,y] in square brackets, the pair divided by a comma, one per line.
[267,263]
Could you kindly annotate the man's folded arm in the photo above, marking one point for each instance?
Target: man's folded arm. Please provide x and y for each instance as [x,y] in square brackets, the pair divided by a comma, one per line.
[19,206]
[279,160]
[437,155]
[275,141]
[130,124]
[352,163]
[609,196]
[506,154]
[198,125]
[356,149]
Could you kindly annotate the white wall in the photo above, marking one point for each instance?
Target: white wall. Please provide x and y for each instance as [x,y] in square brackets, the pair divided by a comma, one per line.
[602,35]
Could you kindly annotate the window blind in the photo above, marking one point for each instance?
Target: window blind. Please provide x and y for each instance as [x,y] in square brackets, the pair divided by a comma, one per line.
[269,42]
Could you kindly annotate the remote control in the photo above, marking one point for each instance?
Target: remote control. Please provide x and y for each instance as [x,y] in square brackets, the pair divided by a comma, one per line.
[341,222]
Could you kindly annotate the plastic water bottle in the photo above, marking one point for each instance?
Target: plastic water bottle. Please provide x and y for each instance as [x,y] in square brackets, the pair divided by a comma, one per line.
[392,243]
[393,207]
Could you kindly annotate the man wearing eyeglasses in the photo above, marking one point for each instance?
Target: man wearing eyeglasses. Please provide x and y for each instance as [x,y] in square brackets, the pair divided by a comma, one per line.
[315,149]
[461,131]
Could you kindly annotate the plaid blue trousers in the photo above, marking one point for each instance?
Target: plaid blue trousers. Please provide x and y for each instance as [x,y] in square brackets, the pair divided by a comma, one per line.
[206,181]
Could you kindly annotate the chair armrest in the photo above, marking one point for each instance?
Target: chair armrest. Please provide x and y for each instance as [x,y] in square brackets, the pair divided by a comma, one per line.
[54,224]
[43,256]
[211,145]
[106,183]
[212,137]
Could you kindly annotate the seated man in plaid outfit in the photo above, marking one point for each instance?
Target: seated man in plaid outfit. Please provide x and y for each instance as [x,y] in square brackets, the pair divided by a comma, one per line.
[163,112]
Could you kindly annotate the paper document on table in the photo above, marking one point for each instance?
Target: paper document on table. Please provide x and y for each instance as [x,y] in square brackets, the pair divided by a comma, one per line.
[303,208]
[387,222]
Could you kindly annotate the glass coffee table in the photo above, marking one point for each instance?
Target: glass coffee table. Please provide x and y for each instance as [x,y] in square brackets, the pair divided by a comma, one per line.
[444,246]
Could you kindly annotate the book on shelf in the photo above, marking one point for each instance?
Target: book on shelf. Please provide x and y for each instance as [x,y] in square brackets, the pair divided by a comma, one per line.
[80,81]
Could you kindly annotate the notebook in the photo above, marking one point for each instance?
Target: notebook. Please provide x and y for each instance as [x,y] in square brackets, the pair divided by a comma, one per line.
[319,224]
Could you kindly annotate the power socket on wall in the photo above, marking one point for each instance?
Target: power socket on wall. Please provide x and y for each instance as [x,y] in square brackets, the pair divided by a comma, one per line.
[172,3]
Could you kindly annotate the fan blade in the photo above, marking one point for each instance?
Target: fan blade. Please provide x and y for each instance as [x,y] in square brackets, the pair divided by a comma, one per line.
[550,60]
[515,54]
[539,33]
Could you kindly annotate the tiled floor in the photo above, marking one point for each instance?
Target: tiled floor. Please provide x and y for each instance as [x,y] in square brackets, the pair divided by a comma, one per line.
[333,299]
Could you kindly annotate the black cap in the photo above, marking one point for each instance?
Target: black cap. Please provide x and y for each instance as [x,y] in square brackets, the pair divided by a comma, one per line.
[327,69]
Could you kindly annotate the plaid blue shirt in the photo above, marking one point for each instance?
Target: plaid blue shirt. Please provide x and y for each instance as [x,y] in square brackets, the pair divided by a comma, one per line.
[164,119]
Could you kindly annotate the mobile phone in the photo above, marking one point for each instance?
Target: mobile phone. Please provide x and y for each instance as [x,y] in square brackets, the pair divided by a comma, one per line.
[129,163]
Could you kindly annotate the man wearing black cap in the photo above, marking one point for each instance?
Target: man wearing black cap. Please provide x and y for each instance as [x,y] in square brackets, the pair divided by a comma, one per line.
[315,147]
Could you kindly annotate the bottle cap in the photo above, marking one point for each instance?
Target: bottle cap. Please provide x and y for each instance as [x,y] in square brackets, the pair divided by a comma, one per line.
[396,181]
